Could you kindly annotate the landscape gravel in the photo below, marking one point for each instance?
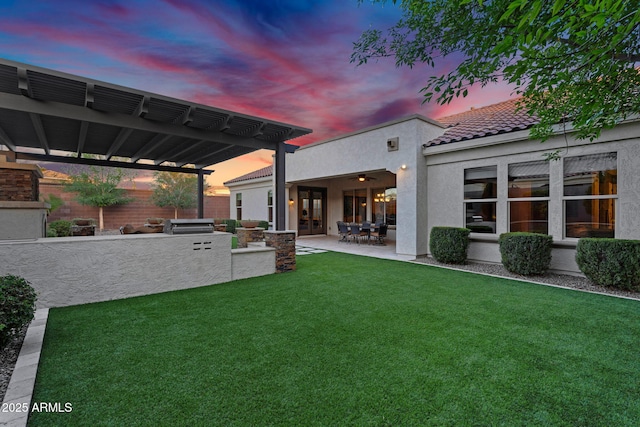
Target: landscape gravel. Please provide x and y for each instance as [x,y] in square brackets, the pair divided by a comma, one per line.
[8,358]
[561,280]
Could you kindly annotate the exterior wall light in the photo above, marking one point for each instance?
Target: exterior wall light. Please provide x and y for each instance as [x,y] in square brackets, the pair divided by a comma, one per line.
[290,202]
[403,167]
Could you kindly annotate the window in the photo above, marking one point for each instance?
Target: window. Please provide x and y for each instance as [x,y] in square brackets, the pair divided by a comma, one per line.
[480,198]
[355,206]
[384,205]
[270,206]
[529,197]
[590,193]
[238,206]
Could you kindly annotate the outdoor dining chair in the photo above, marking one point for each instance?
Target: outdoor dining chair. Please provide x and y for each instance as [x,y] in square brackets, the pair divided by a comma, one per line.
[379,234]
[355,231]
[343,231]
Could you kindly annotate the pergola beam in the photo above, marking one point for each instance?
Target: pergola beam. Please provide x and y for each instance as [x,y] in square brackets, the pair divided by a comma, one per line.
[73,112]
[6,140]
[107,163]
[39,129]
[82,137]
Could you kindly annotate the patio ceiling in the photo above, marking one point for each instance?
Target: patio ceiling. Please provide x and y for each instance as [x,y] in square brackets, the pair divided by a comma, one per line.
[43,112]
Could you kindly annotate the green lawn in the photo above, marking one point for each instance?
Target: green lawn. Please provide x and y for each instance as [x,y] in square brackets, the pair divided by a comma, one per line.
[347,340]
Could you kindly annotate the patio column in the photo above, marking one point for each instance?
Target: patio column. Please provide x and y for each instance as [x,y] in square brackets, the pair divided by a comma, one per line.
[200,193]
[281,200]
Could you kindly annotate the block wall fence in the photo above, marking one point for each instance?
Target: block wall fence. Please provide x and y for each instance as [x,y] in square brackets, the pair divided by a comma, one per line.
[134,213]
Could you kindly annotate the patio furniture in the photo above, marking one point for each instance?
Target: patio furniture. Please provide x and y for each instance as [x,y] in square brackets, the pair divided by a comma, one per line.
[365,230]
[343,231]
[355,231]
[379,234]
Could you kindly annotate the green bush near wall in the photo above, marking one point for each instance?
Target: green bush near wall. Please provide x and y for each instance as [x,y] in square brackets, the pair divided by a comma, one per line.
[17,305]
[449,244]
[61,227]
[264,224]
[610,262]
[525,253]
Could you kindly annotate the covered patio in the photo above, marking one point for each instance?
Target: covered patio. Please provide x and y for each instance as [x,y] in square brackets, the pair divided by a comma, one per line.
[317,205]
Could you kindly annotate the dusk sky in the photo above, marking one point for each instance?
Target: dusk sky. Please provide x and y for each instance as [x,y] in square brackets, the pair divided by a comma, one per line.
[285,60]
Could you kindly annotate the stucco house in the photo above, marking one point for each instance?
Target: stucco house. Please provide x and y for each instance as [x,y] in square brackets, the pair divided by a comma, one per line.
[477,169]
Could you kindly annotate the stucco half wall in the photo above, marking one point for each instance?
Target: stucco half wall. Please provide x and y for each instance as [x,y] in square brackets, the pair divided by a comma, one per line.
[78,270]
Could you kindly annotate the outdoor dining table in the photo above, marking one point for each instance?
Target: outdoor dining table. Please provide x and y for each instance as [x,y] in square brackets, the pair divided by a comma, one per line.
[372,227]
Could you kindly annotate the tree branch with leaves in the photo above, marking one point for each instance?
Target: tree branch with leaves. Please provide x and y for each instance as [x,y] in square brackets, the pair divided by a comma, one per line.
[570,60]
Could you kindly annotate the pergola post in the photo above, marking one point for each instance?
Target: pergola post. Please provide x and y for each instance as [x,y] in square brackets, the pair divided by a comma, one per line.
[200,193]
[281,202]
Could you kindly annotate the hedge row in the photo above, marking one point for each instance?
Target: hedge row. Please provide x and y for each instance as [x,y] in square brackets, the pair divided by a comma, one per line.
[604,261]
[610,262]
[449,244]
[525,253]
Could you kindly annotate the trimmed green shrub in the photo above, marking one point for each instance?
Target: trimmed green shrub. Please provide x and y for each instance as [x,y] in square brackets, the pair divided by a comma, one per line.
[525,253]
[17,305]
[610,262]
[449,244]
[62,227]
[264,224]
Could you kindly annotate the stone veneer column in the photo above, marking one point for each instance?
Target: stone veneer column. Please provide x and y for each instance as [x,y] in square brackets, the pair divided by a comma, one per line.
[285,244]
[248,235]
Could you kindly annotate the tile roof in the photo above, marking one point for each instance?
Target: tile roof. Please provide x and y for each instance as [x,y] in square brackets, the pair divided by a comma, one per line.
[260,173]
[485,121]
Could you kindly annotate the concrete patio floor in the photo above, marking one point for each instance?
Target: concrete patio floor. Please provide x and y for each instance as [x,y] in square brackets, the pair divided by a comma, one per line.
[331,243]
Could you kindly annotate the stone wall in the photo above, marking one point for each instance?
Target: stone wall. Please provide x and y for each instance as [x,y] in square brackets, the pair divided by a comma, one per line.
[19,182]
[284,243]
[249,235]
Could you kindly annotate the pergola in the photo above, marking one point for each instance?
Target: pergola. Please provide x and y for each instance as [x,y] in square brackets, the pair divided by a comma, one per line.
[46,115]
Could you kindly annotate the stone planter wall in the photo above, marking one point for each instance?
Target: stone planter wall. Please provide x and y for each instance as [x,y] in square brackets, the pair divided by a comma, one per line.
[249,235]
[284,243]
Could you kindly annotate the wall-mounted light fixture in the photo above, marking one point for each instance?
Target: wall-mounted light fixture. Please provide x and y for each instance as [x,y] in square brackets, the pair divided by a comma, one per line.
[403,167]
[290,202]
[362,177]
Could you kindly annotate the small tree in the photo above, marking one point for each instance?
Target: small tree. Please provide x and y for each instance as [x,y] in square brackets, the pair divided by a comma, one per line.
[98,186]
[175,189]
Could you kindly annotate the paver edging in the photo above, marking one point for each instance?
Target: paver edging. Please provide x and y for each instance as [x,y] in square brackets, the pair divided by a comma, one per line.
[17,400]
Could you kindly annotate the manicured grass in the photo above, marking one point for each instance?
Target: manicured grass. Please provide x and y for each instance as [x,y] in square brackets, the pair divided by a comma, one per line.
[347,340]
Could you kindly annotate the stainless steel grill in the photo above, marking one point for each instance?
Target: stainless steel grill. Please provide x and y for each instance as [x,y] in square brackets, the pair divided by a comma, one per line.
[188,226]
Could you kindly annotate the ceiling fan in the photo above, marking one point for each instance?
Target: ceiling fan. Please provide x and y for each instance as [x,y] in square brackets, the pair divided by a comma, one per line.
[363,177]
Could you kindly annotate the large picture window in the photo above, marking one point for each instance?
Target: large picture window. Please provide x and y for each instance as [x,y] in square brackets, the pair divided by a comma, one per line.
[529,197]
[384,205]
[590,193]
[480,199]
